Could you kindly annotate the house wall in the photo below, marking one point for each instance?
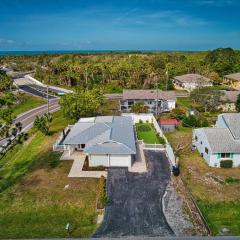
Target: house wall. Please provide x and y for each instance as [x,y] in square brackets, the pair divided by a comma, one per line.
[216,159]
[168,127]
[201,143]
[151,104]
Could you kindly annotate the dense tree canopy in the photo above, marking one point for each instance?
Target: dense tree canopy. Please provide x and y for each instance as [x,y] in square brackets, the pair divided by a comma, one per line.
[82,103]
[115,71]
[5,82]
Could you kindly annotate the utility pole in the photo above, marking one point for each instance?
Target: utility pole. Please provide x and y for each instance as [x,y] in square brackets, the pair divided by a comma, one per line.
[166,78]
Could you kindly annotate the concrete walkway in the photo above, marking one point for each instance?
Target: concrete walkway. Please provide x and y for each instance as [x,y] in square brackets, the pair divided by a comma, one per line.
[76,169]
[139,166]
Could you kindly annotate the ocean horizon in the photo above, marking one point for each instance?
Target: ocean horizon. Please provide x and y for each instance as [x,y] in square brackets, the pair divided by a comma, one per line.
[42,52]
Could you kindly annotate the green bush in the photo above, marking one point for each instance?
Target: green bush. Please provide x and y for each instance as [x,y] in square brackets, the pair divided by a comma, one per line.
[143,128]
[103,200]
[195,121]
[162,140]
[226,164]
[231,180]
[140,121]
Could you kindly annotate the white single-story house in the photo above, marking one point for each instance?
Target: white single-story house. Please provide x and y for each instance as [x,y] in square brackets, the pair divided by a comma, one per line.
[221,142]
[107,140]
[155,100]
[228,101]
[191,81]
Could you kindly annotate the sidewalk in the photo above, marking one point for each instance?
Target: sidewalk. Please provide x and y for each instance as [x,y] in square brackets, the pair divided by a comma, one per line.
[139,165]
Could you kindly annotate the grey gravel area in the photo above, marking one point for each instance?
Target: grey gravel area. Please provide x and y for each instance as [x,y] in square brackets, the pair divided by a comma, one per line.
[174,213]
[136,200]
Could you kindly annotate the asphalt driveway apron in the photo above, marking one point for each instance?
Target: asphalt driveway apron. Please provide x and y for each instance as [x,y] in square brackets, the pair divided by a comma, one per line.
[136,208]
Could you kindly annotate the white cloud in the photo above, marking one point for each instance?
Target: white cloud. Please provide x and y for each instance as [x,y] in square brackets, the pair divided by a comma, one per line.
[4,41]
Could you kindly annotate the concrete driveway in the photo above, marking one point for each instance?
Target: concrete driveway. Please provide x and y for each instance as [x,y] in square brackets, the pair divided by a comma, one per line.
[136,208]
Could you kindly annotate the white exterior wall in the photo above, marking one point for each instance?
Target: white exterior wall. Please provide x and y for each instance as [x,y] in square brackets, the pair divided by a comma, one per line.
[201,143]
[171,104]
[98,160]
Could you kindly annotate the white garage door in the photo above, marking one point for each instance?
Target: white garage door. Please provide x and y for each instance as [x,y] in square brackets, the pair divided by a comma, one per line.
[120,160]
[98,160]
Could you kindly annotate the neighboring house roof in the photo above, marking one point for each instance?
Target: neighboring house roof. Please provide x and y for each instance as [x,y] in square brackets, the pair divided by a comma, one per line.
[232,121]
[168,122]
[224,139]
[233,76]
[148,94]
[192,78]
[221,140]
[104,135]
[230,96]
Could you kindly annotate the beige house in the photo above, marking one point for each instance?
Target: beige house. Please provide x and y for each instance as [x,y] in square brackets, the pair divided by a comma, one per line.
[233,80]
[228,101]
[191,81]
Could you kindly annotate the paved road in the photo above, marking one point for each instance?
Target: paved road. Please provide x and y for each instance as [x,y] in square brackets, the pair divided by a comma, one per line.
[28,117]
[35,91]
[136,208]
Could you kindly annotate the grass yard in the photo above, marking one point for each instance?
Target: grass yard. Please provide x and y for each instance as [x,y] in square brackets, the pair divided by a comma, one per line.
[147,133]
[184,102]
[216,190]
[28,103]
[33,201]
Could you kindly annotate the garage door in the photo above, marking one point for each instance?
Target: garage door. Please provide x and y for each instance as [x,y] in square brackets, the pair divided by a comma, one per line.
[98,160]
[120,160]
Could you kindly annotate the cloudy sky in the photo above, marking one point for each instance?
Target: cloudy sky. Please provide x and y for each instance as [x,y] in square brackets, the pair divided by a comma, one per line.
[119,24]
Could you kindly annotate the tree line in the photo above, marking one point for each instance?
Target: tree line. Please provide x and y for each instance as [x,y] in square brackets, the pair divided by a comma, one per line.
[115,71]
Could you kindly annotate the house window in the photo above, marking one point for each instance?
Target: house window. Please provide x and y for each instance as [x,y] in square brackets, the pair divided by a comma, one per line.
[201,142]
[196,138]
[225,155]
[131,102]
[206,150]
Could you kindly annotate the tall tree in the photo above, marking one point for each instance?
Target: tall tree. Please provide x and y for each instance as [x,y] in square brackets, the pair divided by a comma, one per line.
[82,103]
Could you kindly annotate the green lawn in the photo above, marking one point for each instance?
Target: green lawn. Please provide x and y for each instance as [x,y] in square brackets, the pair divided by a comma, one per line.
[27,103]
[222,215]
[147,133]
[33,201]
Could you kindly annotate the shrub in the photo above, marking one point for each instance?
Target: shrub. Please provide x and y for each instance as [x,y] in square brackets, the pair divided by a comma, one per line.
[162,140]
[86,166]
[231,180]
[226,164]
[103,200]
[195,121]
[140,121]
[143,128]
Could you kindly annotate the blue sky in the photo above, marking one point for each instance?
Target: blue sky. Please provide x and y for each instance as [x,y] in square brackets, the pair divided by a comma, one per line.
[119,24]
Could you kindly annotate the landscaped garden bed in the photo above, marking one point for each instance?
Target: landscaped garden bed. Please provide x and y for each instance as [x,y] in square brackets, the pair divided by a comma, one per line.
[86,166]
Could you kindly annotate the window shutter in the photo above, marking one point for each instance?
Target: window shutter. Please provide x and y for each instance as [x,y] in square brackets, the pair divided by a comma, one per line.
[231,155]
[219,155]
